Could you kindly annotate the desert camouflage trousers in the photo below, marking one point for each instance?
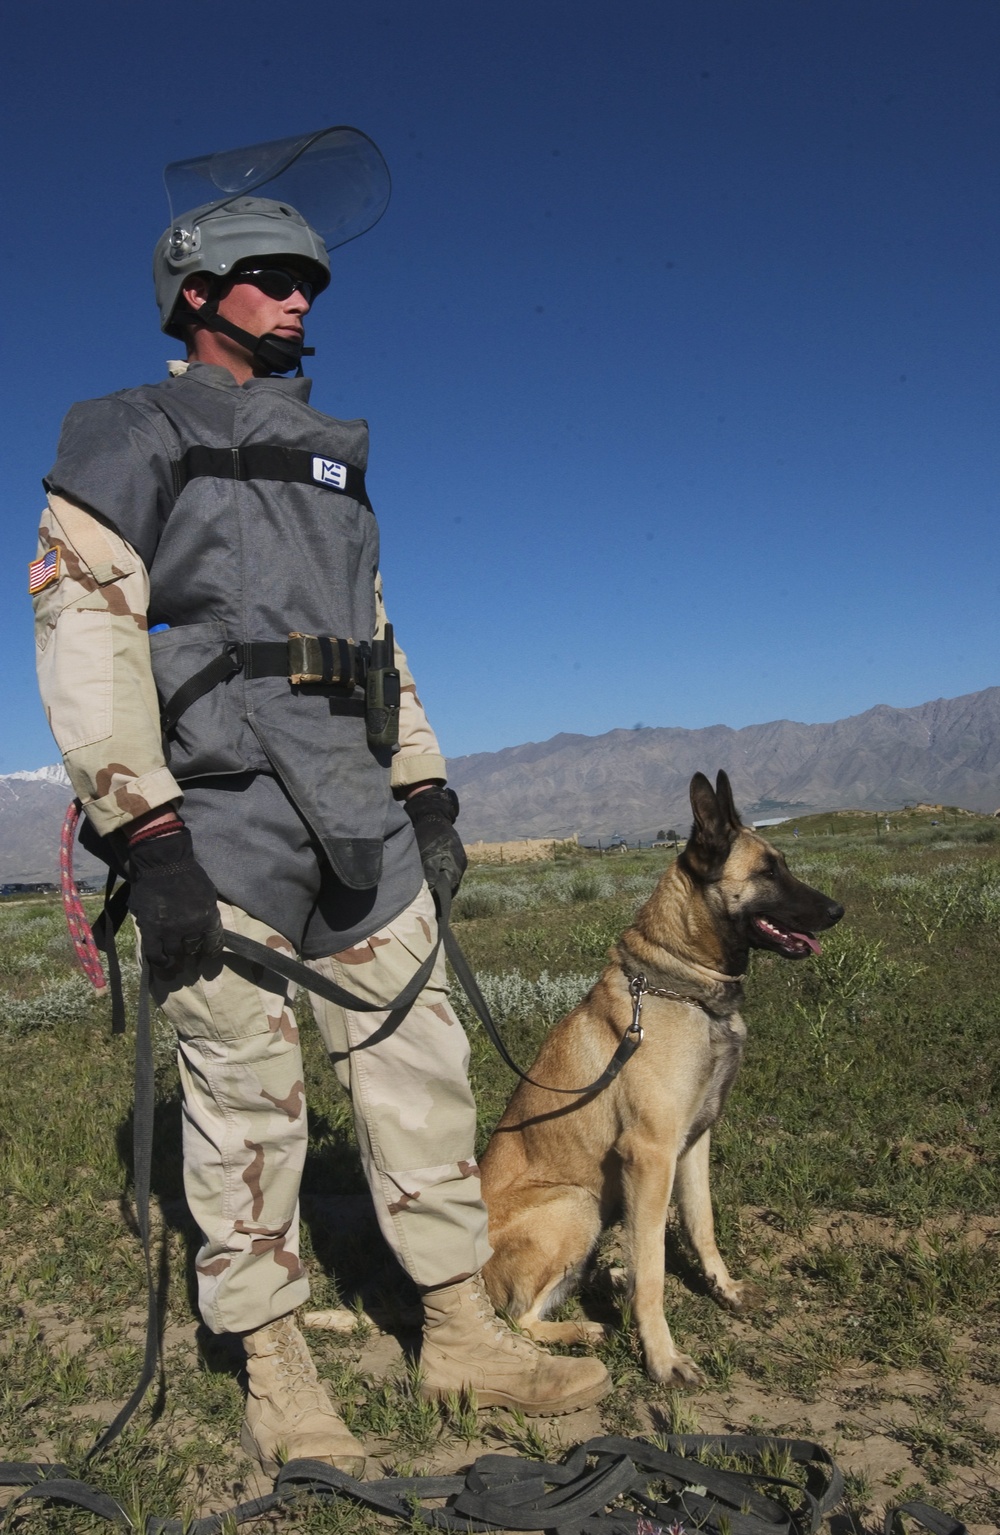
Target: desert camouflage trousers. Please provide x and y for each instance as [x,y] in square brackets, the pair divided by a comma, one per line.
[244,1125]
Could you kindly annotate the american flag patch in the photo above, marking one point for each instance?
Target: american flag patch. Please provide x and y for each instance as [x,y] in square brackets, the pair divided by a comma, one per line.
[42,572]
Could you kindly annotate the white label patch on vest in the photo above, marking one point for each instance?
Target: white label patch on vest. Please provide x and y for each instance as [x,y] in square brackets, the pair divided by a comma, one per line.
[327,471]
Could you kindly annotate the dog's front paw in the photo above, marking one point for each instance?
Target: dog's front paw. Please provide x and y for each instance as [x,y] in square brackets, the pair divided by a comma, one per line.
[674,1369]
[738,1295]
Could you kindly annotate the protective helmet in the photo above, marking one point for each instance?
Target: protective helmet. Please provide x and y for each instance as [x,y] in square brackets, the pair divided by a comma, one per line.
[215,240]
[336,175]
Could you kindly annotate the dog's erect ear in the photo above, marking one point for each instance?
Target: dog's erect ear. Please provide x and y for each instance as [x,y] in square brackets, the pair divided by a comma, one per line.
[703,803]
[712,834]
[724,796]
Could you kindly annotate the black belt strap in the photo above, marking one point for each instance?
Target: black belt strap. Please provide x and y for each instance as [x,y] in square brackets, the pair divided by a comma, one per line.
[265,658]
[265,461]
[256,658]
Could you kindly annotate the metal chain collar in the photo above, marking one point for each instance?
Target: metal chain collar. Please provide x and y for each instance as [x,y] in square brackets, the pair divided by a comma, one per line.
[638,986]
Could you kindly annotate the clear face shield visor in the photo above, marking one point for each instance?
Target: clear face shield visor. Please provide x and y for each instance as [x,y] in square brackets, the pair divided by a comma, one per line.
[335,178]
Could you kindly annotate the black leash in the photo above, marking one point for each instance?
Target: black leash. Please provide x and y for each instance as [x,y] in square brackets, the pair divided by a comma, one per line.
[930,1518]
[630,1041]
[293,970]
[142,1162]
[111,917]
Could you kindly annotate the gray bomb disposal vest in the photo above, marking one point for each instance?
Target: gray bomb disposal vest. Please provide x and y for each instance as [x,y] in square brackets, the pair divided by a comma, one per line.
[236,560]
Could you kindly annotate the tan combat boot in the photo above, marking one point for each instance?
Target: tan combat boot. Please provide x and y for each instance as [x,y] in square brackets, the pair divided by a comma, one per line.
[468,1348]
[289,1414]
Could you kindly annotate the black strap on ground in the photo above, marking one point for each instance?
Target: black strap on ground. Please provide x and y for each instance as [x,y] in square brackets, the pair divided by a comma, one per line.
[265,461]
[606,1486]
[930,1518]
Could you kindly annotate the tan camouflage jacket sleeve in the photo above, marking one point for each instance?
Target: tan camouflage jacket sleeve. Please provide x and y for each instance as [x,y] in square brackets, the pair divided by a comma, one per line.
[419,756]
[92,654]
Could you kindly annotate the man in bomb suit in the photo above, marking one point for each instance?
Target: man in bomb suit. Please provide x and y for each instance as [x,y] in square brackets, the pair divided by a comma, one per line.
[208,546]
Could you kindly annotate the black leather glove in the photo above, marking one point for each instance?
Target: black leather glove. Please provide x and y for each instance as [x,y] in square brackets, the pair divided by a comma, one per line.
[173,900]
[433,813]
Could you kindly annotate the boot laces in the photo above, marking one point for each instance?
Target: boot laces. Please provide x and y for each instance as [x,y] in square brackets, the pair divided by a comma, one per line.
[294,1369]
[515,1342]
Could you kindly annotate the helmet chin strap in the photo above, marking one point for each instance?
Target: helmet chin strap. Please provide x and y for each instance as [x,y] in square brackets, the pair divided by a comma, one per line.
[278,354]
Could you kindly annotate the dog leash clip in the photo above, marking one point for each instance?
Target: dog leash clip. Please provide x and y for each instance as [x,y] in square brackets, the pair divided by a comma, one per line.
[637,987]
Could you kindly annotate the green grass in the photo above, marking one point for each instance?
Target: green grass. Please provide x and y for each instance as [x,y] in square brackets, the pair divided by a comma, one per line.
[855,1179]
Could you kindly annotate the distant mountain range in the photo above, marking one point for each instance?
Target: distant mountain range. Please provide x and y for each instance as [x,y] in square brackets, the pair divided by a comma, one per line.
[634,783]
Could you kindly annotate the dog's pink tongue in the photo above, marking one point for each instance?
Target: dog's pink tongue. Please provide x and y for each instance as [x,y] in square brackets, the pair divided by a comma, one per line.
[808,938]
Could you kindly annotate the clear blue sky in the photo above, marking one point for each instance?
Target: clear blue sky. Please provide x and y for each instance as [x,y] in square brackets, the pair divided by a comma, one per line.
[678,340]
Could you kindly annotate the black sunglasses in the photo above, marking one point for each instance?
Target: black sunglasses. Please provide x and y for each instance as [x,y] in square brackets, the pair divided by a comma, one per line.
[276,283]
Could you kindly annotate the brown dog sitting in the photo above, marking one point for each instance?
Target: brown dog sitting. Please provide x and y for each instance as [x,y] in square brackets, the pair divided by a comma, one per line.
[558,1170]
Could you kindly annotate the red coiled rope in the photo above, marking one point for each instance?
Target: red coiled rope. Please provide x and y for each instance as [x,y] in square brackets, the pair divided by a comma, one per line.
[76,917]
